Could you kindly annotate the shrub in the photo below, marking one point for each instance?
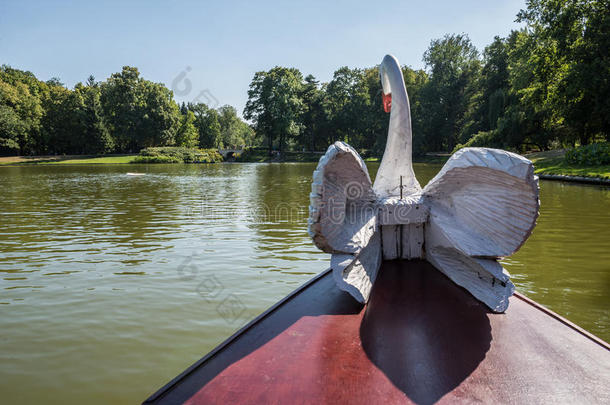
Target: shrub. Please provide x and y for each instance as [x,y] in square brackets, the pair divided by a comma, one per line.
[253,155]
[171,154]
[594,154]
[211,155]
[156,159]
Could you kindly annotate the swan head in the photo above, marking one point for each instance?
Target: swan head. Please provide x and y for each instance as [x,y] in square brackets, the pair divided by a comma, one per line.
[392,82]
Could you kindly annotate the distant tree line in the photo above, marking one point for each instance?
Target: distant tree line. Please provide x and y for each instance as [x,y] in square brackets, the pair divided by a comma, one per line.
[123,114]
[546,85]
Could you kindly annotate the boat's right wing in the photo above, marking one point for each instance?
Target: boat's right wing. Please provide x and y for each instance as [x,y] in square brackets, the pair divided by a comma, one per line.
[483,206]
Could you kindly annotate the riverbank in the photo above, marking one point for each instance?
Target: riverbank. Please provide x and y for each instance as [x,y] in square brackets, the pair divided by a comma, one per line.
[552,163]
[262,156]
[548,164]
[66,159]
[576,179]
[256,157]
[146,156]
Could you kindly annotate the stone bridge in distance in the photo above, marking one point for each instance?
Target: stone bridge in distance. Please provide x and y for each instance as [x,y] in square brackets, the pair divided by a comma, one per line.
[230,153]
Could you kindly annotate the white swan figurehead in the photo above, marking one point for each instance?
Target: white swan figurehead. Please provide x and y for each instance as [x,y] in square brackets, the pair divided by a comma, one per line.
[396,162]
[481,206]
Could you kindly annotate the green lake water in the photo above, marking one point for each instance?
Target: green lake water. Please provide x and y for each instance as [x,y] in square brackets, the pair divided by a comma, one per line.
[110,284]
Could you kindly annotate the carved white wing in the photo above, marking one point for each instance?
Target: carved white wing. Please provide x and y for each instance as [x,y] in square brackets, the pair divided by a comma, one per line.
[485,201]
[483,206]
[343,219]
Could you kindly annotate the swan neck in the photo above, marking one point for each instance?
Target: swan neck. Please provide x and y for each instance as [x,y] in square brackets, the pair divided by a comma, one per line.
[396,162]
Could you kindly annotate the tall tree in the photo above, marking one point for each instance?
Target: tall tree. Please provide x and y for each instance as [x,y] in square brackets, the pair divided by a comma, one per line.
[494,84]
[490,98]
[20,111]
[122,98]
[572,63]
[234,133]
[61,123]
[454,68]
[313,114]
[98,139]
[530,117]
[140,113]
[208,127]
[158,116]
[275,105]
[347,98]
[20,114]
[187,134]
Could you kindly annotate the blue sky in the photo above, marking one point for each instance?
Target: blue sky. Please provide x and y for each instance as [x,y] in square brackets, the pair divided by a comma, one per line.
[219,45]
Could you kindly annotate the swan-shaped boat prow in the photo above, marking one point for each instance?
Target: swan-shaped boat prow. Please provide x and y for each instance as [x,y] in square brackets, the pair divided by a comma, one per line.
[420,338]
[480,207]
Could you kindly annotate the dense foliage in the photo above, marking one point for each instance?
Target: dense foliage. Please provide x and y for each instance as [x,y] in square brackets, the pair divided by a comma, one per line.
[175,154]
[543,86]
[123,114]
[594,154]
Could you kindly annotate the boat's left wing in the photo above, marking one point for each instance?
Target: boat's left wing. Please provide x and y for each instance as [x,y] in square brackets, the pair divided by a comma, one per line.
[343,219]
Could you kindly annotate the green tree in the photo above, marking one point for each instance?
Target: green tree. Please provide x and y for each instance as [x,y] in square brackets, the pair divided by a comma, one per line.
[158,116]
[187,134]
[139,113]
[571,64]
[275,105]
[234,133]
[454,68]
[20,114]
[208,127]
[122,101]
[313,114]
[20,111]
[61,131]
[529,118]
[494,84]
[347,98]
[97,137]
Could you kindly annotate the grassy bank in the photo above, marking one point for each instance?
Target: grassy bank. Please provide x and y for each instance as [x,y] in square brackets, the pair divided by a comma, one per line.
[66,160]
[262,156]
[548,162]
[148,155]
[256,156]
[553,162]
[173,154]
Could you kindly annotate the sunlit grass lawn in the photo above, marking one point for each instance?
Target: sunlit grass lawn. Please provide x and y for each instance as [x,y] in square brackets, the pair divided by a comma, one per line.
[97,160]
[66,160]
[552,162]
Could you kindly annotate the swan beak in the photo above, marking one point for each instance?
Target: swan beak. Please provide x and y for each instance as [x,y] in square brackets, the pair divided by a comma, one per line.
[387,101]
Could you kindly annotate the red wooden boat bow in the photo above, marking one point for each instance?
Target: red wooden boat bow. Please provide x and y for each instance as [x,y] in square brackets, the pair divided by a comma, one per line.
[420,339]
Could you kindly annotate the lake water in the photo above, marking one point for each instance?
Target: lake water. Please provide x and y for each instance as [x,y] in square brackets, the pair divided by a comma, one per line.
[111,284]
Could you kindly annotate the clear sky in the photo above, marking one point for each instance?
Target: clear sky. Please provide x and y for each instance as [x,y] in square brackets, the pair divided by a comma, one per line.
[218,45]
